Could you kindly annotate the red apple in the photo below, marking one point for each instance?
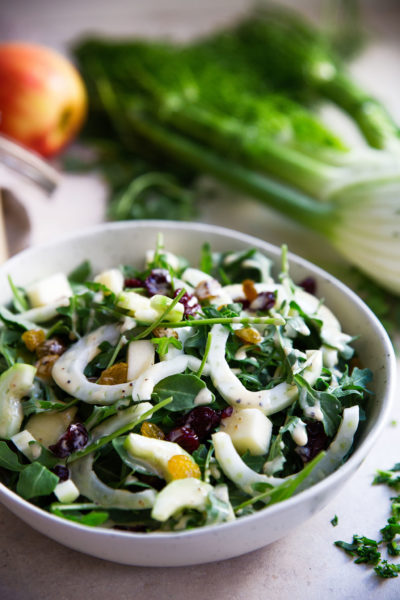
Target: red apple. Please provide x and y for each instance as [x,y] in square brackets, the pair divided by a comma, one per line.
[43,99]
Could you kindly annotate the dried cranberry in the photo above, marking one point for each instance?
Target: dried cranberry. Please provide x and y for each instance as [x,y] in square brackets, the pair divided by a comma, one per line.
[309,285]
[74,438]
[317,440]
[62,472]
[264,301]
[132,282]
[202,420]
[226,412]
[158,282]
[185,436]
[190,303]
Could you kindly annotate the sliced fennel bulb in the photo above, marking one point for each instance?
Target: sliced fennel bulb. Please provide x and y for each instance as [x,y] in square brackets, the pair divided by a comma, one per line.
[367,228]
[359,218]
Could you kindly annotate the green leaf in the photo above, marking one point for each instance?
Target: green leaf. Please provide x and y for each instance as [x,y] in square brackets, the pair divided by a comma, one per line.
[358,380]
[331,410]
[288,488]
[100,361]
[276,458]
[94,518]
[8,339]
[19,300]
[200,456]
[255,463]
[9,459]
[36,480]
[184,390]
[206,261]
[163,344]
[330,405]
[81,273]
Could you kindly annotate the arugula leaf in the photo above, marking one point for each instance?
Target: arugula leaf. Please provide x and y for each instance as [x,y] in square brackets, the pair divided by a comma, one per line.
[331,410]
[100,361]
[330,405]
[247,264]
[99,414]
[94,518]
[184,390]
[276,457]
[197,341]
[357,381]
[36,480]
[163,344]
[9,459]
[85,313]
[206,259]
[81,273]
[229,311]
[255,463]
[19,300]
[8,340]
[200,456]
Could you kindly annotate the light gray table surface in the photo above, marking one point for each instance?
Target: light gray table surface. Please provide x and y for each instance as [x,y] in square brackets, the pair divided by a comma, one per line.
[304,565]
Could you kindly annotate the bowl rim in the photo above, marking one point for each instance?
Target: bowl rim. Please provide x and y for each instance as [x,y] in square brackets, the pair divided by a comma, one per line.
[345,469]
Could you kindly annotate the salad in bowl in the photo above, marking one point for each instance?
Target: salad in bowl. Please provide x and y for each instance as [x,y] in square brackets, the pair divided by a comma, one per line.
[174,396]
[164,396]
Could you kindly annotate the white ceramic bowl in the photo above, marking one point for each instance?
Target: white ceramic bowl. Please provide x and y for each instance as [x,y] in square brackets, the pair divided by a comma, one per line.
[113,244]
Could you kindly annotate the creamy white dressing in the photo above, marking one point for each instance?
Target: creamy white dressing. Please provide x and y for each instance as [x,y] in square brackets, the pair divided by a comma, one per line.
[299,434]
[274,466]
[314,412]
[241,353]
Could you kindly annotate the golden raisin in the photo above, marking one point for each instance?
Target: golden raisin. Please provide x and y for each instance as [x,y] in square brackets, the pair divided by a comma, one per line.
[33,338]
[115,374]
[181,467]
[249,335]
[45,366]
[151,430]
[249,290]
